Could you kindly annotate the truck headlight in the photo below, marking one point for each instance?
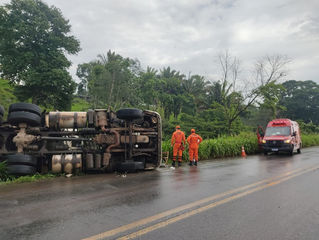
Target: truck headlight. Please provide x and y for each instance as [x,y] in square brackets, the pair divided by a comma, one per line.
[263,141]
[287,141]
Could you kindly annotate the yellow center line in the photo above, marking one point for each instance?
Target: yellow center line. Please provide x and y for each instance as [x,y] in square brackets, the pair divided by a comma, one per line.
[209,206]
[153,218]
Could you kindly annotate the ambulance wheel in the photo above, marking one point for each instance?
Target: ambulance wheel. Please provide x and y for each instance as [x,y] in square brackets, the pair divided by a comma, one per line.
[299,149]
[291,152]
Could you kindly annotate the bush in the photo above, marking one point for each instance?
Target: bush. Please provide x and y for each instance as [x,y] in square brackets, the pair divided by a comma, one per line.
[308,128]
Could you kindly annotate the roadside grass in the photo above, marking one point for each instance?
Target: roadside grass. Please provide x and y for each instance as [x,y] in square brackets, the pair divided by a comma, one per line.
[310,140]
[226,146]
[230,146]
[34,178]
[7,179]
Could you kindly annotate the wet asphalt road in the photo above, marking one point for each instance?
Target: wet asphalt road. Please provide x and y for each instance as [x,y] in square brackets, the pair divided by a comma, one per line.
[236,202]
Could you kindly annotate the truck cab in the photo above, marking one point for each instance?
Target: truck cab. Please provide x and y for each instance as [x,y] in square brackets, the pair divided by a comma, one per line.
[281,135]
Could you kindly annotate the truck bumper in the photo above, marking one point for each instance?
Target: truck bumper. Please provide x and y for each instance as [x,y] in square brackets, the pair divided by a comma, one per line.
[283,148]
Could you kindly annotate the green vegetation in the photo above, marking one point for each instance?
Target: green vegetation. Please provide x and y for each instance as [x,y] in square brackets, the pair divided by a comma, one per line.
[34,41]
[5,179]
[230,146]
[79,104]
[3,171]
[226,146]
[310,140]
[7,96]
[36,38]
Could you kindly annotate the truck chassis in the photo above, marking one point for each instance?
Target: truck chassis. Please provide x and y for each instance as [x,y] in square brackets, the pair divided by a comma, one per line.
[98,140]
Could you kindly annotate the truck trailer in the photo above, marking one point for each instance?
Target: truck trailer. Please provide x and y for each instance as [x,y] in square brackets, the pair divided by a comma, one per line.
[98,140]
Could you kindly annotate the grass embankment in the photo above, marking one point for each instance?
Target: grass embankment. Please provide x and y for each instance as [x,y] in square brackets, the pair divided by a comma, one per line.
[221,147]
[231,146]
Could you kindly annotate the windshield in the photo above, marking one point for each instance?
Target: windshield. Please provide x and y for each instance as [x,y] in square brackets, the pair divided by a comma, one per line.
[277,131]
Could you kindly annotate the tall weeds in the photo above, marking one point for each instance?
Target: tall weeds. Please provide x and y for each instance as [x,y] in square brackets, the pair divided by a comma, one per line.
[310,140]
[230,146]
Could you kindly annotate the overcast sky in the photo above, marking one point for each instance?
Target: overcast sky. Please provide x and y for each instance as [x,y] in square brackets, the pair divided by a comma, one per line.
[188,35]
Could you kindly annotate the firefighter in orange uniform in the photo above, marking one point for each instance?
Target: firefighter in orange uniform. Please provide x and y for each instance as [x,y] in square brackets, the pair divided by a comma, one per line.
[193,141]
[178,139]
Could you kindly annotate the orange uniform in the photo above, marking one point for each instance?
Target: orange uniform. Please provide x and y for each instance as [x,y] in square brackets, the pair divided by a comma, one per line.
[193,140]
[178,138]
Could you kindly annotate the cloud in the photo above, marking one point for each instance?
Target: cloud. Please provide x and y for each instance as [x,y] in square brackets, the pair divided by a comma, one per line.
[188,34]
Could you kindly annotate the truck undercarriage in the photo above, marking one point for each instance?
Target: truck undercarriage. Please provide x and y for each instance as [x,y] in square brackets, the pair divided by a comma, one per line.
[98,140]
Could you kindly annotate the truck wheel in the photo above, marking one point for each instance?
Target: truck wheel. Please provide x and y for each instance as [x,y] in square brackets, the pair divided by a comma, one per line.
[22,159]
[20,170]
[25,107]
[29,118]
[129,113]
[265,153]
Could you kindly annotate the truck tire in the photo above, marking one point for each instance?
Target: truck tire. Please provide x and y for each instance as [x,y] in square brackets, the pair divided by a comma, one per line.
[20,170]
[22,159]
[29,118]
[25,107]
[129,113]
[1,118]
[1,111]
[131,166]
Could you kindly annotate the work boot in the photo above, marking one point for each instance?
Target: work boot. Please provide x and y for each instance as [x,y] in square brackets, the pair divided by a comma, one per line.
[190,163]
[179,164]
[173,164]
[195,163]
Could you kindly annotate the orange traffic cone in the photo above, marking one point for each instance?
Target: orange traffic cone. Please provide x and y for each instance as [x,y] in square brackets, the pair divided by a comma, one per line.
[243,153]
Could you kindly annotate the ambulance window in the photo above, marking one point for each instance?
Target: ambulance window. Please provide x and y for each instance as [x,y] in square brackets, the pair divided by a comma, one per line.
[277,131]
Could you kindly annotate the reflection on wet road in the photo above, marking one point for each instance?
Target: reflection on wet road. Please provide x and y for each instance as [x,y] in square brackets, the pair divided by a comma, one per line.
[225,199]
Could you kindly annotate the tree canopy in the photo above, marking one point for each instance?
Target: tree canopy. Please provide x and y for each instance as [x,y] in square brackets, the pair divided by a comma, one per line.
[34,40]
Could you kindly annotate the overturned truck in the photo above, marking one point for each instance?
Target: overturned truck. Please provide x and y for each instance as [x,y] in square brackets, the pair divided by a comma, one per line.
[98,140]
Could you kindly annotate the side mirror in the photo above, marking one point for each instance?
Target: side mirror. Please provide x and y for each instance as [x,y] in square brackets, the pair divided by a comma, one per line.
[294,134]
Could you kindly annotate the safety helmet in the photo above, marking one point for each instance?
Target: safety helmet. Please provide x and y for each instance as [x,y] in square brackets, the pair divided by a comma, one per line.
[178,127]
[193,130]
